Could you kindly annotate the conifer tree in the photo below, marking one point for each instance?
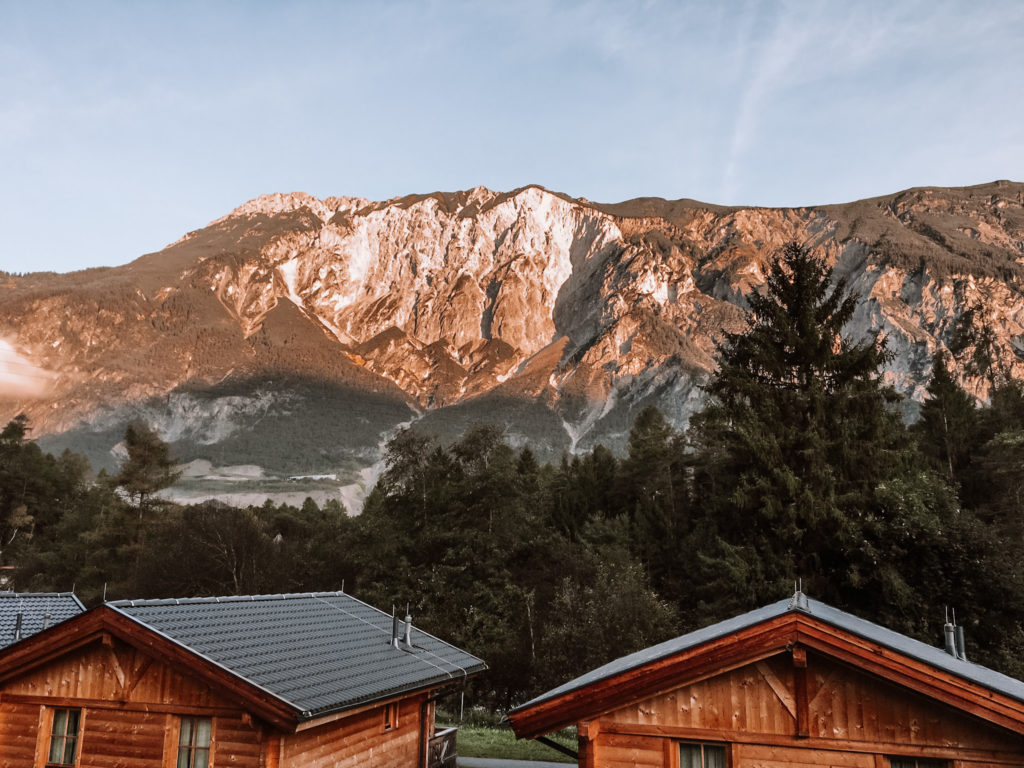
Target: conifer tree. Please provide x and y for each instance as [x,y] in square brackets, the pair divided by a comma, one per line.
[148,468]
[652,493]
[947,431]
[997,469]
[799,448]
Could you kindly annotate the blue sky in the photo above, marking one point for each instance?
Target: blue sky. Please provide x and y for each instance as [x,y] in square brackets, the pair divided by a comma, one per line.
[124,125]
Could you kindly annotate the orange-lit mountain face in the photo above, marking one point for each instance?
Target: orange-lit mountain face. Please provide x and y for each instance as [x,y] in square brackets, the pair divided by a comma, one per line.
[290,337]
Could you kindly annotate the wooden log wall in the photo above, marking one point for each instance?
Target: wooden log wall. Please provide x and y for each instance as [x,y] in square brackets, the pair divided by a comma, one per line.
[359,740]
[117,673]
[847,719]
[19,724]
[131,708]
[115,738]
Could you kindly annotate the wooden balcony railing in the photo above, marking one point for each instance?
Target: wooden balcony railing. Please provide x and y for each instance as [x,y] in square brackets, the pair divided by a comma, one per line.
[441,749]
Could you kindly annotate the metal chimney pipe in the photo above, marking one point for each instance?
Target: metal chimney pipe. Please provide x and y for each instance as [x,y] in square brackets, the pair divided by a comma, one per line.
[961,651]
[396,632]
[408,631]
[950,634]
[17,627]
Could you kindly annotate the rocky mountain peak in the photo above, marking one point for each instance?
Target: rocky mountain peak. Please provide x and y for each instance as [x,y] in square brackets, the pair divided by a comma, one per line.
[558,318]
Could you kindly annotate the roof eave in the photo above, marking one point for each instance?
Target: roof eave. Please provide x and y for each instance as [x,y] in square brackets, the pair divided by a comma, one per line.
[753,643]
[332,711]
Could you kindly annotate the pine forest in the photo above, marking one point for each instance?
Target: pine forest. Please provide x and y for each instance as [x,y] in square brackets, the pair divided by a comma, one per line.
[799,467]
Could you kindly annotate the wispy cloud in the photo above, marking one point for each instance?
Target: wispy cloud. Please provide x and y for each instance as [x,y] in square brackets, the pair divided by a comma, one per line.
[840,96]
[138,122]
[20,378]
[768,71]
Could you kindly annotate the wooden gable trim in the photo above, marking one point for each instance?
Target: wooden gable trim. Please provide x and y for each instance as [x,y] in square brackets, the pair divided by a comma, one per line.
[790,631]
[691,665]
[99,624]
[919,676]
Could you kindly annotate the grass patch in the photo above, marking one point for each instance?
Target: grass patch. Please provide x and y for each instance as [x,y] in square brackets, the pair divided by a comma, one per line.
[488,741]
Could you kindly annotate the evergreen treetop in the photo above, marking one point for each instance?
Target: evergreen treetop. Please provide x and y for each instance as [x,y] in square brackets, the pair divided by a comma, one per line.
[800,442]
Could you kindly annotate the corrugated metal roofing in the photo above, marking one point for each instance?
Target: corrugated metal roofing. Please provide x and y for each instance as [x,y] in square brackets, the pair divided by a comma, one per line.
[867,630]
[318,652]
[38,610]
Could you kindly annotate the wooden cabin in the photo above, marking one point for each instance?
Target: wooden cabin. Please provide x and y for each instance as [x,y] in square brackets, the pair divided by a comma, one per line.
[23,614]
[272,681]
[796,683]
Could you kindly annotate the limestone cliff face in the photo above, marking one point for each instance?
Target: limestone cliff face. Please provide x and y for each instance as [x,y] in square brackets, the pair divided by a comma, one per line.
[556,317]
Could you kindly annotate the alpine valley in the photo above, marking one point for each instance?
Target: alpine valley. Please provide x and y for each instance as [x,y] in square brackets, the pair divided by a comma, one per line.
[278,348]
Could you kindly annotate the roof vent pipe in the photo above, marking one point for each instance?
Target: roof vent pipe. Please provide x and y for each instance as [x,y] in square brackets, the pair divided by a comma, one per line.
[799,600]
[961,652]
[407,640]
[396,632]
[950,632]
[17,628]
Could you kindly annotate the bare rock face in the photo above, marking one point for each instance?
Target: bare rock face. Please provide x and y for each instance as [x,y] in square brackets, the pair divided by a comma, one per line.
[558,318]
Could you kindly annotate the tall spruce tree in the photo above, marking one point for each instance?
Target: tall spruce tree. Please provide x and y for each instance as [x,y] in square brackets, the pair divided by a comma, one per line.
[148,468]
[802,468]
[948,430]
[652,493]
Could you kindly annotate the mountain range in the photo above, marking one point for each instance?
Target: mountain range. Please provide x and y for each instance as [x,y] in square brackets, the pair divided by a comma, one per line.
[280,346]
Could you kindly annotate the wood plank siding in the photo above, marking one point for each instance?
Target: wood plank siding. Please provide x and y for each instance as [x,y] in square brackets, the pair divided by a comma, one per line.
[853,720]
[115,672]
[359,740]
[19,725]
[131,707]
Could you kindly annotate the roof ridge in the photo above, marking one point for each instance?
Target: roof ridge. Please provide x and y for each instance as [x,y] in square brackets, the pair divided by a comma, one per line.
[23,595]
[225,599]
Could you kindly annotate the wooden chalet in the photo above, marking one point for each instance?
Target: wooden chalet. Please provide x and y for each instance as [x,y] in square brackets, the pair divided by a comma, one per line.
[796,683]
[23,614]
[271,681]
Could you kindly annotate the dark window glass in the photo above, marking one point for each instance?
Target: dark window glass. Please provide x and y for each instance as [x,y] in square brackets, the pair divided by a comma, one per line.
[390,716]
[701,756]
[64,737]
[194,742]
[917,762]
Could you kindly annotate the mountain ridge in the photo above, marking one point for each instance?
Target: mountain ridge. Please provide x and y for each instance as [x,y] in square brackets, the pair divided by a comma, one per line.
[556,317]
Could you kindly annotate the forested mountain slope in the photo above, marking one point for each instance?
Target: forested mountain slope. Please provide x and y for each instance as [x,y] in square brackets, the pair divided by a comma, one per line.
[294,334]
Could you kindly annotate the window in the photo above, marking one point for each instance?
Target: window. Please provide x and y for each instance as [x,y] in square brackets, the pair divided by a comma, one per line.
[701,756]
[64,737]
[916,762]
[194,742]
[390,716]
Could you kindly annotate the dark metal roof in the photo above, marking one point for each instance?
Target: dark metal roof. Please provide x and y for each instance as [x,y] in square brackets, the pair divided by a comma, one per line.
[38,610]
[319,653]
[937,657]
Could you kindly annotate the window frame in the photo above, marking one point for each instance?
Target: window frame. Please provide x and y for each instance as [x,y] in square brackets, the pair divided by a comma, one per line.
[193,748]
[724,746]
[909,761]
[77,737]
[389,720]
